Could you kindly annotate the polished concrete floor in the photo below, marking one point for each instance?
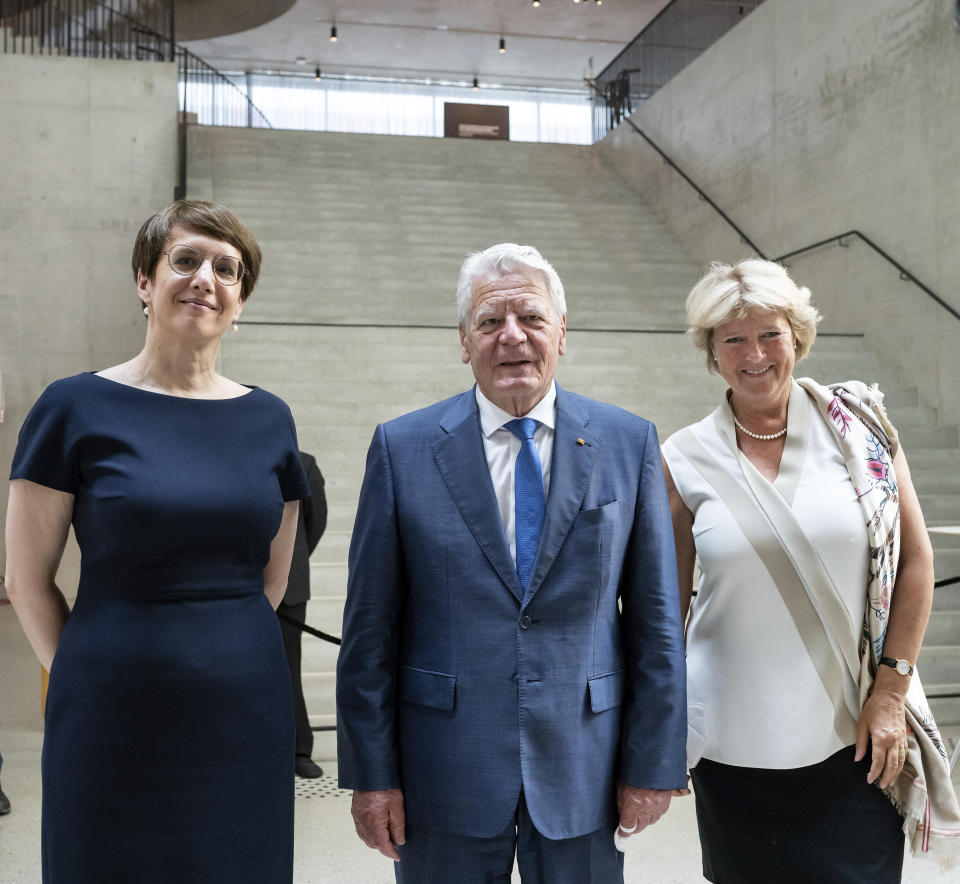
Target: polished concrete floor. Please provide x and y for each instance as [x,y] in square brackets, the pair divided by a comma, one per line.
[327,850]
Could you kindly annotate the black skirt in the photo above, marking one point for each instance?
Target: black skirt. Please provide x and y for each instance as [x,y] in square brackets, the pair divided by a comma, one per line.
[822,824]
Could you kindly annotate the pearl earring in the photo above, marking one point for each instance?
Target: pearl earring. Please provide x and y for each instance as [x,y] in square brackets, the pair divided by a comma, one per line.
[146,309]
[235,327]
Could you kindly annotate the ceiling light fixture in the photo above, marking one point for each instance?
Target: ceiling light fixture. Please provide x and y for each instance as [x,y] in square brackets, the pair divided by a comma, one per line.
[316,73]
[536,3]
[503,45]
[333,33]
[476,84]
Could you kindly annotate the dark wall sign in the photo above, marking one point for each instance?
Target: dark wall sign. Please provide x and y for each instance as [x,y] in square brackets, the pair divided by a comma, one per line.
[476,121]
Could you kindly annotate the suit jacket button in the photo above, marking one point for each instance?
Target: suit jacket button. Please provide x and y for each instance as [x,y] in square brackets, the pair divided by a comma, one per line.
[525,622]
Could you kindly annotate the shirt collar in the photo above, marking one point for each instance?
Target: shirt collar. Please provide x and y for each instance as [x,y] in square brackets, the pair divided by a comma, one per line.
[493,417]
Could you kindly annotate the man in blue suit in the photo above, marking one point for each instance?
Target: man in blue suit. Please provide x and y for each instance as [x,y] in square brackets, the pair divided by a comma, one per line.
[511,679]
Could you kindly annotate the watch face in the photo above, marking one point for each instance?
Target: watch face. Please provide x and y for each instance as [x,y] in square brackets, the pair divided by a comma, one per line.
[903,667]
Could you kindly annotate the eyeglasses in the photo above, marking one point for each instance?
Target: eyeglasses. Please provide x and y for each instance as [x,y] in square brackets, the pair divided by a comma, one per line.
[186,260]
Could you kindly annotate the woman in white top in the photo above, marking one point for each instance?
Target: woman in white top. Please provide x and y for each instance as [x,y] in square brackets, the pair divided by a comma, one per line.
[816,585]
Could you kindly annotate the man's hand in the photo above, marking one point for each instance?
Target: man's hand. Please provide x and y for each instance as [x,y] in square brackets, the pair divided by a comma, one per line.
[882,724]
[640,808]
[380,820]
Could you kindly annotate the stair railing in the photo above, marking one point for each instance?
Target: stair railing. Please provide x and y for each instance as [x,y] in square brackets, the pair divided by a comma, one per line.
[680,32]
[141,29]
[840,238]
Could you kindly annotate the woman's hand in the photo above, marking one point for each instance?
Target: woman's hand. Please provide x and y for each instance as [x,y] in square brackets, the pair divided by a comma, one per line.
[883,726]
[881,721]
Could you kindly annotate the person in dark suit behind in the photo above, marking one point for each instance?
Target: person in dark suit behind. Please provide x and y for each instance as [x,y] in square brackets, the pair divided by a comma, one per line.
[511,678]
[310,528]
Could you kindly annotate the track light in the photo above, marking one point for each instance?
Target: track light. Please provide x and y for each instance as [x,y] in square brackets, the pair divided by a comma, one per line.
[536,3]
[316,73]
[333,33]
[503,45]
[476,84]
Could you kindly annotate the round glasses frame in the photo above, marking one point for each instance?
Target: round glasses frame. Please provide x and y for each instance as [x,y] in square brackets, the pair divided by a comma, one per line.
[233,265]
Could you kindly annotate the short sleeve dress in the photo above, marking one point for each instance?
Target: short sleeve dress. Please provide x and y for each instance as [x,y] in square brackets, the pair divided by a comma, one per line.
[168,750]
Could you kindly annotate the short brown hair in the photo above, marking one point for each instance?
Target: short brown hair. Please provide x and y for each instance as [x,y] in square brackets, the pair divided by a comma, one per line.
[197,216]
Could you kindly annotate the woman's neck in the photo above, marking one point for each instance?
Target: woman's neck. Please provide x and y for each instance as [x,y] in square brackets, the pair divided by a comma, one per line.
[762,416]
[177,367]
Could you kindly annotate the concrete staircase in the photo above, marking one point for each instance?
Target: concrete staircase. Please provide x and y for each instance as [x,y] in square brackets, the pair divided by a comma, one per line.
[363,237]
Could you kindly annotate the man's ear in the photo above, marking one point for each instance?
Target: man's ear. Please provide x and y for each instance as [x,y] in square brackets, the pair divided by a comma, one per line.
[562,345]
[464,348]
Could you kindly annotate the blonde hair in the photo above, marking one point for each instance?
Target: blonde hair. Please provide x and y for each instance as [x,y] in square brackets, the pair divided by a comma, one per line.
[731,291]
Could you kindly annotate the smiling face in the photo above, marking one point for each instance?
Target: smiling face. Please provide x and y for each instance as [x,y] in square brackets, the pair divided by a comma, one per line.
[755,355]
[197,304]
[513,339]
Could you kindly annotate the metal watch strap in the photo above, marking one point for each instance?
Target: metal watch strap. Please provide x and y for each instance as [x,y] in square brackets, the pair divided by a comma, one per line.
[903,667]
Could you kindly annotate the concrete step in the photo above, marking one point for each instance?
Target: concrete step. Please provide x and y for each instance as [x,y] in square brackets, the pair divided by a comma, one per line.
[928,481]
[324,742]
[946,710]
[939,664]
[947,598]
[319,691]
[943,629]
[318,655]
[325,609]
[384,225]
[946,561]
[940,507]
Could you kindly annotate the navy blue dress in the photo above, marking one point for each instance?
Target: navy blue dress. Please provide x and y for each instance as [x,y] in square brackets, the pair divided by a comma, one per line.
[168,751]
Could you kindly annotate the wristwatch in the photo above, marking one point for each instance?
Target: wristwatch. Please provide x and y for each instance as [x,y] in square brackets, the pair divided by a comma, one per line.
[902,666]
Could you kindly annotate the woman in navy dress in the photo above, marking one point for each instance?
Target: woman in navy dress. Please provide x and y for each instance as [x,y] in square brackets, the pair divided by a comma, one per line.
[168,751]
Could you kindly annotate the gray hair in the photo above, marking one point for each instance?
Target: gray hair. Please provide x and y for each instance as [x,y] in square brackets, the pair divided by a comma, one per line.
[502,260]
[731,291]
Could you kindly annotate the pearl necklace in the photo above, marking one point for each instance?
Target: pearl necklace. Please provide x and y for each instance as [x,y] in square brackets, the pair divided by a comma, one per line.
[763,437]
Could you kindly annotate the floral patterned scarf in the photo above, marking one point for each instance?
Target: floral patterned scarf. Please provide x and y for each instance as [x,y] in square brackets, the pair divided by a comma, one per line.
[923,793]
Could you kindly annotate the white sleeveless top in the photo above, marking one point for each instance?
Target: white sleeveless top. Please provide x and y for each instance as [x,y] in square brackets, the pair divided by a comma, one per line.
[754,695]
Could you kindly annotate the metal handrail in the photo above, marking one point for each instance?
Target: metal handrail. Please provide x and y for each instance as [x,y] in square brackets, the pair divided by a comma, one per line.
[670,41]
[703,196]
[904,273]
[86,28]
[189,62]
[55,26]
[839,238]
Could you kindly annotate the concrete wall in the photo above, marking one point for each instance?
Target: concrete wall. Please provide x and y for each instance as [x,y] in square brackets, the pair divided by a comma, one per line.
[809,119]
[88,151]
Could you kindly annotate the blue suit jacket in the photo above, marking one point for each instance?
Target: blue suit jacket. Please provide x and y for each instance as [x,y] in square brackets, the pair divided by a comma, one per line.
[457,688]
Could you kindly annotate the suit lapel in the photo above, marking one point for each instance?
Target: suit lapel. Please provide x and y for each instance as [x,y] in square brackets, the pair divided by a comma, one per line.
[460,457]
[575,452]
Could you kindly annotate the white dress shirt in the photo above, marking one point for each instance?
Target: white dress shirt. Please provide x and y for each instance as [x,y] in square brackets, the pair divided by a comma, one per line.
[501,448]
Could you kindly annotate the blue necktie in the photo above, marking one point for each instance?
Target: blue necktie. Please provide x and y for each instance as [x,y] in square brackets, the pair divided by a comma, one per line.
[529,502]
